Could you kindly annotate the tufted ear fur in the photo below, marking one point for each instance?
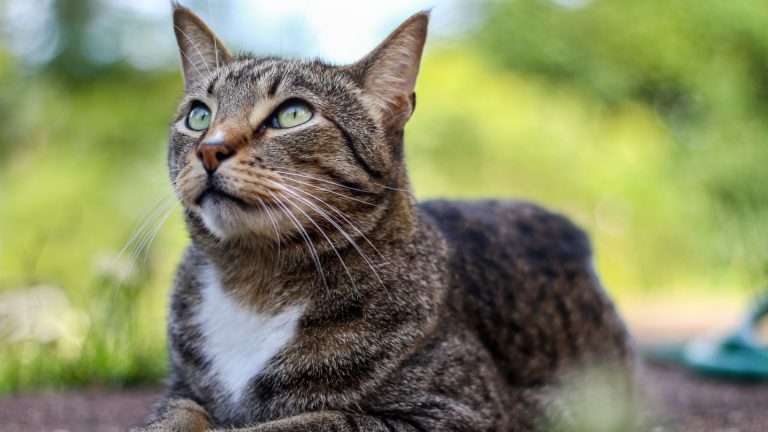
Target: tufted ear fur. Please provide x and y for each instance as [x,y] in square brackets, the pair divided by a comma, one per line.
[201,51]
[388,73]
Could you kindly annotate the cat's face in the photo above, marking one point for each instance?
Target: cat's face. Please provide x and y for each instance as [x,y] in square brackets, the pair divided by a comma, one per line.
[264,147]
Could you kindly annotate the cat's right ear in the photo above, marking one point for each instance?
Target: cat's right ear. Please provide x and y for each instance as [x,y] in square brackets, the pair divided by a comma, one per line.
[388,73]
[201,51]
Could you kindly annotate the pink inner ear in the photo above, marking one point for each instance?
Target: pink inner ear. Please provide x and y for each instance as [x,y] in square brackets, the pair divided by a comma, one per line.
[394,65]
[199,47]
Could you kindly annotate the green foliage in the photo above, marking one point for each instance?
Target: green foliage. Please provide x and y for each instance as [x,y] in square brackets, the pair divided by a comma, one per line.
[79,166]
[700,68]
[516,136]
[642,120]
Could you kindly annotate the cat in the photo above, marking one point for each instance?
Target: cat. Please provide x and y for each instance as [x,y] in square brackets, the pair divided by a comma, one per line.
[317,294]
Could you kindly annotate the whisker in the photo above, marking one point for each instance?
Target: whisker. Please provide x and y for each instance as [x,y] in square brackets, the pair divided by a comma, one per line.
[304,234]
[159,205]
[205,63]
[140,236]
[289,171]
[191,62]
[342,216]
[341,230]
[273,220]
[304,174]
[138,247]
[336,225]
[343,264]
[328,190]
[148,243]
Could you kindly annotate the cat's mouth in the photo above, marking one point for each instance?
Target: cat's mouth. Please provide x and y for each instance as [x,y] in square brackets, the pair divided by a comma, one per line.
[227,215]
[217,195]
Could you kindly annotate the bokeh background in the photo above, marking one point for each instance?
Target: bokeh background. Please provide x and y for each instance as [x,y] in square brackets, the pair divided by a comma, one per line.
[646,121]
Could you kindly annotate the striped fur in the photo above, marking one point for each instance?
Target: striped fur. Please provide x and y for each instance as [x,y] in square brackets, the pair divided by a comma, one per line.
[387,314]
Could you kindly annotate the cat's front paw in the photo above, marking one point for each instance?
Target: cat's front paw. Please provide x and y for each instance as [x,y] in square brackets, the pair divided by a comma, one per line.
[153,427]
[180,416]
[165,426]
[172,426]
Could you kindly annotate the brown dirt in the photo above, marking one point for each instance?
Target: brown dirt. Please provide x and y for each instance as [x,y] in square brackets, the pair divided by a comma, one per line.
[691,403]
[84,411]
[688,403]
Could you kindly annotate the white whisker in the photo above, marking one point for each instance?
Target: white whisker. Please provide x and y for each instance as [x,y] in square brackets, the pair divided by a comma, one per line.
[142,237]
[190,61]
[205,63]
[148,243]
[159,205]
[322,213]
[273,220]
[328,190]
[342,216]
[346,269]
[304,174]
[304,234]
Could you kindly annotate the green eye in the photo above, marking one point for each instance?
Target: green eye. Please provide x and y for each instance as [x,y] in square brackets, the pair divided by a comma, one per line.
[292,114]
[199,118]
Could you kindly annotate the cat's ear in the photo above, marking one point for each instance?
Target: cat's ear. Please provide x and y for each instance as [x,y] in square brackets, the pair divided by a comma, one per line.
[388,73]
[201,51]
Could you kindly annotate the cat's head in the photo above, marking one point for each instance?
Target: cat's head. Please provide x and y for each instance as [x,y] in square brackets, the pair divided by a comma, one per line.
[265,146]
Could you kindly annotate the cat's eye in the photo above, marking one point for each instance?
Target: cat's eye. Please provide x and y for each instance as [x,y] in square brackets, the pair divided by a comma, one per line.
[291,114]
[199,118]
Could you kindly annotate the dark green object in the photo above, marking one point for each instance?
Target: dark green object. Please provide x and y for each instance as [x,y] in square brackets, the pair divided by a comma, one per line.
[738,355]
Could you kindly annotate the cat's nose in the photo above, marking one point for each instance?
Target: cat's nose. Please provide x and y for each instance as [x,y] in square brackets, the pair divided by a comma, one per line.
[212,153]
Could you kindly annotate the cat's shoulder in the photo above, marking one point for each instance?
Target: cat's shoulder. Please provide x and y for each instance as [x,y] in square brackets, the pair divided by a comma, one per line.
[519,227]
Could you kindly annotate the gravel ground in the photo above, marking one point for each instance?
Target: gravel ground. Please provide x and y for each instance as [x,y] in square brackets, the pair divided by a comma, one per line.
[85,411]
[692,403]
[688,404]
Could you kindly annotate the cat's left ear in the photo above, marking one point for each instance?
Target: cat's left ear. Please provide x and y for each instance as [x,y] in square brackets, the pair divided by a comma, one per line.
[201,51]
[388,73]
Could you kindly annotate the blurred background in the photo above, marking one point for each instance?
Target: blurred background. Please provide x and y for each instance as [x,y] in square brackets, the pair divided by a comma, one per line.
[646,121]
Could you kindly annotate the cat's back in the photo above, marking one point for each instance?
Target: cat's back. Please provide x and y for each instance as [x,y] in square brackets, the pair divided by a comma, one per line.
[489,228]
[522,278]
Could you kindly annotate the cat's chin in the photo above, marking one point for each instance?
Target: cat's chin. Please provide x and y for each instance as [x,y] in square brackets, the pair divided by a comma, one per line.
[227,220]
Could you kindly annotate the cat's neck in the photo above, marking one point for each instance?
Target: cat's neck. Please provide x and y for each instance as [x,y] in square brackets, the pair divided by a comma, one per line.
[270,277]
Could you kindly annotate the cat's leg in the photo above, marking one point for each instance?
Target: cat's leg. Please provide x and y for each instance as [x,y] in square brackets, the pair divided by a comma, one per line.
[337,421]
[178,415]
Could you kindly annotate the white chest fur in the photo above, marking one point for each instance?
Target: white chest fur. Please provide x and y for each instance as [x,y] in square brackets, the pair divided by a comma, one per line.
[238,340]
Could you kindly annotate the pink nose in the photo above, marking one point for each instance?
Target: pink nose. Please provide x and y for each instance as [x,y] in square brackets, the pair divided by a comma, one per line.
[212,154]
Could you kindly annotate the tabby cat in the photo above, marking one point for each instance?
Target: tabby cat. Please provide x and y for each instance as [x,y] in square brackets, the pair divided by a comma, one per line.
[318,295]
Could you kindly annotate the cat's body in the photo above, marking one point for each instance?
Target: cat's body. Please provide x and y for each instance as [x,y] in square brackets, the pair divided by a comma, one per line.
[365,310]
[503,299]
